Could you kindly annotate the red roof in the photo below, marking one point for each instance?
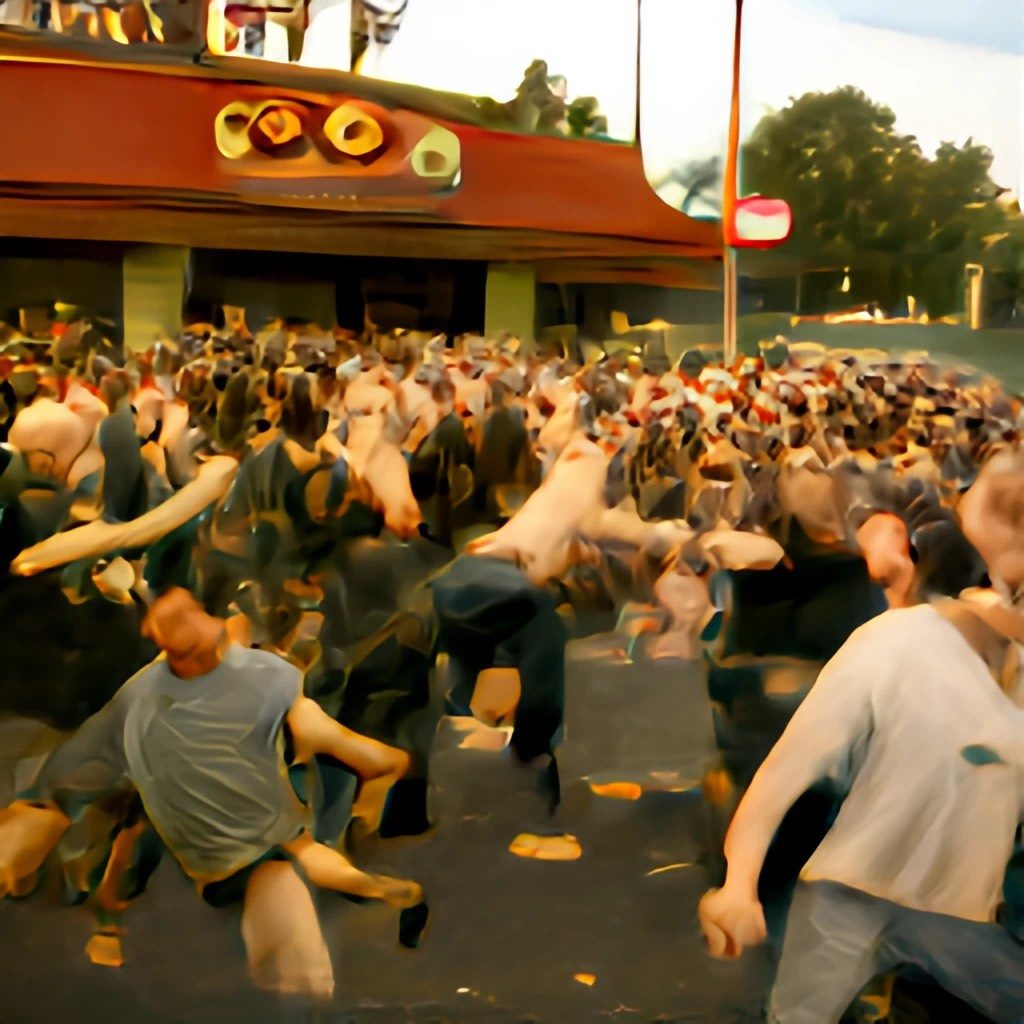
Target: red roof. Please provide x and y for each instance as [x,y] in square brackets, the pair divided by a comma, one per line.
[127,151]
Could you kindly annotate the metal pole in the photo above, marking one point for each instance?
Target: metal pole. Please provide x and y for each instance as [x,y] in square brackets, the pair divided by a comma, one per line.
[729,196]
[729,295]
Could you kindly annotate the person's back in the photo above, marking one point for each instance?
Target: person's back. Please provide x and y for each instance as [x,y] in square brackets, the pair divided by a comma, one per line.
[207,757]
[504,442]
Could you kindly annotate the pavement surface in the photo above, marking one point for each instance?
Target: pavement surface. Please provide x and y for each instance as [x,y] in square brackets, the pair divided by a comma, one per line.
[507,936]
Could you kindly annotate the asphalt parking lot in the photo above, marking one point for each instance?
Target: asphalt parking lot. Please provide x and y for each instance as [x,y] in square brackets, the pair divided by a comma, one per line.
[611,936]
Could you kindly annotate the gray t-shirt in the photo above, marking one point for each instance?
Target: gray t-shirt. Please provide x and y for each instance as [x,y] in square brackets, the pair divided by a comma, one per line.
[206,755]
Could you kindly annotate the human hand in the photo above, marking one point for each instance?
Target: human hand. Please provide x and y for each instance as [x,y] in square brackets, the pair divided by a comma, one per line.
[730,921]
[28,833]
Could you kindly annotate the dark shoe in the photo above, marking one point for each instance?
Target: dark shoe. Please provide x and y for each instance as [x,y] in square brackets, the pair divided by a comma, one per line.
[411,924]
[405,812]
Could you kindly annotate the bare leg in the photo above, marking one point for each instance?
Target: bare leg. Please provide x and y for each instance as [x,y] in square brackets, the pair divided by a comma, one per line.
[330,869]
[372,794]
[104,947]
[282,935]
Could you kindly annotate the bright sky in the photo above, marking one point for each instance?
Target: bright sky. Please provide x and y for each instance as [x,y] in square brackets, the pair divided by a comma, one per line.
[938,89]
[950,69]
[995,24]
[482,48]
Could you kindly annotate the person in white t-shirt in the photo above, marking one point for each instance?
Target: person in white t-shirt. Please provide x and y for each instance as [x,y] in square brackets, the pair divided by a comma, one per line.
[919,718]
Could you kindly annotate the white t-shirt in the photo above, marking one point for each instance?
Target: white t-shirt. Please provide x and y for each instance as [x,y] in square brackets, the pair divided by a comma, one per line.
[908,718]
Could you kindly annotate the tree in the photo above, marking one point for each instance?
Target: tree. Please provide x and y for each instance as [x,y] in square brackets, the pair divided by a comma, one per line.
[541,105]
[865,196]
[585,118]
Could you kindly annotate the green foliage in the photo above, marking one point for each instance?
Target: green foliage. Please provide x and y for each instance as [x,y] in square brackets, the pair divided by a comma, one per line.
[585,119]
[865,196]
[540,106]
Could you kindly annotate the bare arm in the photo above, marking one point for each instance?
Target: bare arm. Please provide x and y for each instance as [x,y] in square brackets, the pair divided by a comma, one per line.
[778,783]
[90,762]
[818,743]
[315,732]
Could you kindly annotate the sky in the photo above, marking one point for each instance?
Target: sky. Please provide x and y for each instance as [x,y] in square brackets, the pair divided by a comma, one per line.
[995,24]
[939,90]
[482,47]
[950,69]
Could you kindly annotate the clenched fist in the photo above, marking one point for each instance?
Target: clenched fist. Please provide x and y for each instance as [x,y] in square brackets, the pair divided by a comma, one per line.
[731,921]
[27,835]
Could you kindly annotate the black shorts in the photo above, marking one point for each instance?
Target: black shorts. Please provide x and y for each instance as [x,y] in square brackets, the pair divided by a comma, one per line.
[232,889]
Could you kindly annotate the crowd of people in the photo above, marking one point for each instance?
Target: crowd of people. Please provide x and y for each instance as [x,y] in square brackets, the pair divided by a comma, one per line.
[311,528]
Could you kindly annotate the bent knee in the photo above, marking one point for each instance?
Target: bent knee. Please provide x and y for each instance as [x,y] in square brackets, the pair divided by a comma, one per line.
[283,941]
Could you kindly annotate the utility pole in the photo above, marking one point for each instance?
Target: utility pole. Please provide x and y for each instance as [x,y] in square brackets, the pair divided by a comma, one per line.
[730,301]
[730,286]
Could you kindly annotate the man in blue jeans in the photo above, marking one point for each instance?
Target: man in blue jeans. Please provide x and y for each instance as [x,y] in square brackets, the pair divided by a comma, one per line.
[490,615]
[919,719]
[497,605]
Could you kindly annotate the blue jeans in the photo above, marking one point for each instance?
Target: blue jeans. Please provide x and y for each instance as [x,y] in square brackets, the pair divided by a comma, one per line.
[838,939]
[489,614]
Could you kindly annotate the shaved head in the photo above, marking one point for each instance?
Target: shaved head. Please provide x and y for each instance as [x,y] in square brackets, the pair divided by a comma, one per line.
[192,640]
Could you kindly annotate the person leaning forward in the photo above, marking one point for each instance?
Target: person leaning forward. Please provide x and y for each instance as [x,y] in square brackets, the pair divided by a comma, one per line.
[919,719]
[202,734]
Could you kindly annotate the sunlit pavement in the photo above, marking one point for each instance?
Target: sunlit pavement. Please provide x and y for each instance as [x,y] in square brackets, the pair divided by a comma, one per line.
[611,936]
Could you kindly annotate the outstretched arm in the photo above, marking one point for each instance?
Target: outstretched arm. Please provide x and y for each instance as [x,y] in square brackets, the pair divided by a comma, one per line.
[315,732]
[819,742]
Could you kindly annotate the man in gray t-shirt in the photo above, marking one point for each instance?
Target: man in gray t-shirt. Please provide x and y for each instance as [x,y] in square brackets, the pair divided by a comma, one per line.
[201,734]
[208,759]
